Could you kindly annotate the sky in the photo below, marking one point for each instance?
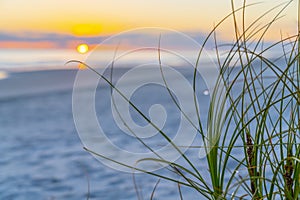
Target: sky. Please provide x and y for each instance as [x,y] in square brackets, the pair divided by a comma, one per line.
[22,21]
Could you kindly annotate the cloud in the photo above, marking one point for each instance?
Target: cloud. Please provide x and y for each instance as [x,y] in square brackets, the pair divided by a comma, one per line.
[63,41]
[43,40]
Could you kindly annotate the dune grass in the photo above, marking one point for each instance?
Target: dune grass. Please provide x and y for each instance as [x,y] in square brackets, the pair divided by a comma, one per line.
[254,109]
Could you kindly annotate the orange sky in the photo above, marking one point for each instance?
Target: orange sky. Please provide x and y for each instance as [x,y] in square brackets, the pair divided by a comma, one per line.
[91,17]
[24,44]
[99,17]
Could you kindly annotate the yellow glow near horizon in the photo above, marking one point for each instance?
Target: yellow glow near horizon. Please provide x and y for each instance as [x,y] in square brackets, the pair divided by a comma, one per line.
[86,29]
[83,48]
[98,17]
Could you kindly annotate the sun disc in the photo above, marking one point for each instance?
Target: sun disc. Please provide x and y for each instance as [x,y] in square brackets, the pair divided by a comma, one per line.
[82,48]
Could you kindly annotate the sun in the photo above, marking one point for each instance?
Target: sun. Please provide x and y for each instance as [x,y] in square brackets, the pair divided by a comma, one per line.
[82,48]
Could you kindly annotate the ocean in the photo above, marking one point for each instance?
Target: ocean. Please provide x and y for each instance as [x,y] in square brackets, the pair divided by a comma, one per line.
[42,155]
[50,111]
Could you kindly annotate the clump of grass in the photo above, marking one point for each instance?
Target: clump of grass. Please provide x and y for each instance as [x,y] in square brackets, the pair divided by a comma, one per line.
[254,109]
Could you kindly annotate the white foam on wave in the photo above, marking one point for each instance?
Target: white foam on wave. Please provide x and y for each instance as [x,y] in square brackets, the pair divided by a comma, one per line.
[3,75]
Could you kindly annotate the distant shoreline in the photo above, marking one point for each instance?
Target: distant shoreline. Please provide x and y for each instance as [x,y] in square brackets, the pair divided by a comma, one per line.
[20,83]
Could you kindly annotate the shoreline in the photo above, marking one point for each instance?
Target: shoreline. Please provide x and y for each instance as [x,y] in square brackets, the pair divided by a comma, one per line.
[24,83]
[33,81]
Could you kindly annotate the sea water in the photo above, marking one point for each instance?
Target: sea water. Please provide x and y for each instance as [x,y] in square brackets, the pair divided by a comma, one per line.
[42,156]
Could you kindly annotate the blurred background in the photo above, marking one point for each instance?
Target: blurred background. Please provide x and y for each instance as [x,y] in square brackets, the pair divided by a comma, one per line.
[41,155]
